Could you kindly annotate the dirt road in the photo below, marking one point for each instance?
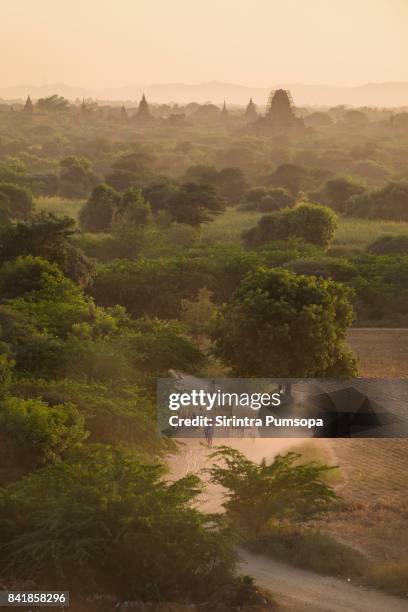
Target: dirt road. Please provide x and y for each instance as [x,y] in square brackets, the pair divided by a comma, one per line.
[300,590]
[294,589]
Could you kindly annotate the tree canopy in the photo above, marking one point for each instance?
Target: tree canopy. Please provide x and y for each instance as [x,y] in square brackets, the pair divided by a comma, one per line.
[281,324]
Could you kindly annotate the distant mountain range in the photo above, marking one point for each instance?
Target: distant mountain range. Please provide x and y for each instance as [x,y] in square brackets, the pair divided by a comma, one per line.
[370,94]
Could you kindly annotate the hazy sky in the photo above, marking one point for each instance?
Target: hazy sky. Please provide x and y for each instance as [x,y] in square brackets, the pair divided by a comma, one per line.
[99,43]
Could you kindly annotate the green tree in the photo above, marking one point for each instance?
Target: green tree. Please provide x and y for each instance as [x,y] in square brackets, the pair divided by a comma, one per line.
[19,200]
[267,200]
[37,289]
[336,192]
[281,324]
[290,176]
[131,170]
[195,204]
[46,236]
[388,202]
[5,212]
[312,223]
[262,493]
[116,526]
[98,214]
[151,287]
[133,210]
[76,177]
[154,347]
[47,432]
[198,313]
[159,194]
[389,244]
[53,104]
[231,184]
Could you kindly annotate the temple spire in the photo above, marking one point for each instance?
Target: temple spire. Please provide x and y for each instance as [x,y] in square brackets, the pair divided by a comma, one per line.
[28,107]
[143,114]
[251,112]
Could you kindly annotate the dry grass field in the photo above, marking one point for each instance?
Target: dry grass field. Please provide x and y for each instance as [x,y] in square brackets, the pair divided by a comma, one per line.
[382,353]
[374,472]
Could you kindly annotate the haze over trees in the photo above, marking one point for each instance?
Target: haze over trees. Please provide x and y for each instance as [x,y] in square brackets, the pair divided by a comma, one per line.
[141,239]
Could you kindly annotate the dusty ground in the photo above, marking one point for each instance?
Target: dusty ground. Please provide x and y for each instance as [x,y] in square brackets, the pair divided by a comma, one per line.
[383,353]
[375,471]
[373,480]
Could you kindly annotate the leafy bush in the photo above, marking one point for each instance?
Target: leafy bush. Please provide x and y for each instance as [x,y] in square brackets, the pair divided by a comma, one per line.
[47,236]
[113,414]
[20,200]
[98,213]
[389,244]
[154,346]
[337,191]
[261,493]
[115,526]
[280,324]
[152,287]
[38,290]
[310,549]
[266,200]
[309,222]
[389,202]
[47,431]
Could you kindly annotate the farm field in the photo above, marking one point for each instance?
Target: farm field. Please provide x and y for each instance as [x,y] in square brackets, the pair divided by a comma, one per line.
[374,471]
[382,353]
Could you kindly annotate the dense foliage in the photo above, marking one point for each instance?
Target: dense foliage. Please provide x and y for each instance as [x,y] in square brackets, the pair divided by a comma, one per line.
[190,245]
[262,493]
[284,325]
[116,526]
[309,222]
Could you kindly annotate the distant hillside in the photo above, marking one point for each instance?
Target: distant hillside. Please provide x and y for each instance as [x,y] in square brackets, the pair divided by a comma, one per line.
[370,94]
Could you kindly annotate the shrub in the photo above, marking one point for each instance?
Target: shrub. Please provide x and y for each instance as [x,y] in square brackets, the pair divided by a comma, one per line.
[389,202]
[310,549]
[115,526]
[309,222]
[260,493]
[337,191]
[47,431]
[38,289]
[98,213]
[266,200]
[389,244]
[281,324]
[19,199]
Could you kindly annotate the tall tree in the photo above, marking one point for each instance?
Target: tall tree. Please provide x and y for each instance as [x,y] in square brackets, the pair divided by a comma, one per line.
[282,324]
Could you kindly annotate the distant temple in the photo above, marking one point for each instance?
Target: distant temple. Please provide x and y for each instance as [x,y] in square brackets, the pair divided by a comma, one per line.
[224,112]
[250,114]
[28,106]
[280,114]
[123,113]
[143,115]
[84,109]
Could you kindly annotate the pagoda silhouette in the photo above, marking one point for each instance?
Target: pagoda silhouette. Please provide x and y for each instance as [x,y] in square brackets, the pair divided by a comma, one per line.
[251,113]
[143,115]
[280,114]
[28,106]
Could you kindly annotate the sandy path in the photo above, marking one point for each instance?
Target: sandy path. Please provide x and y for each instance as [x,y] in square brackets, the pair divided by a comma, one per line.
[315,592]
[295,590]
